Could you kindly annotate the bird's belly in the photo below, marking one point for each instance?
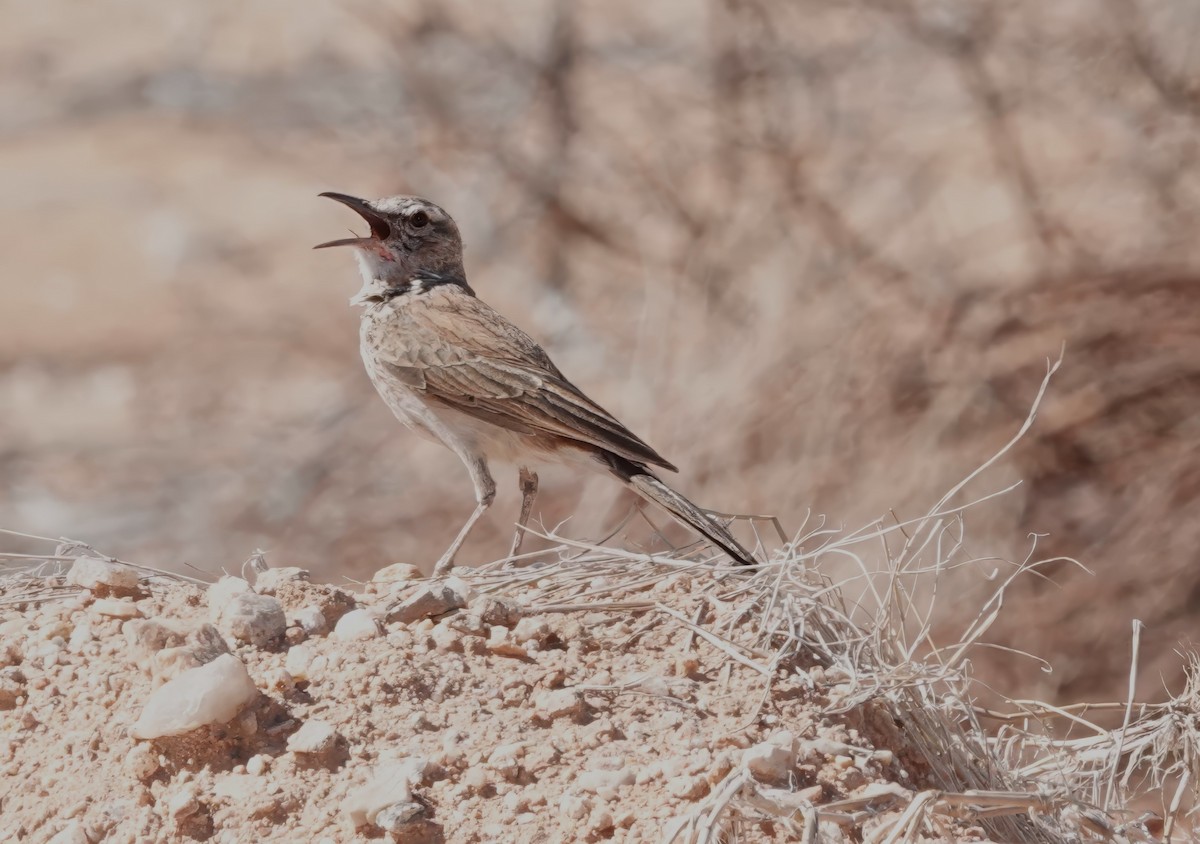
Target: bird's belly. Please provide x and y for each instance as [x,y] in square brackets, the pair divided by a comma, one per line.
[498,443]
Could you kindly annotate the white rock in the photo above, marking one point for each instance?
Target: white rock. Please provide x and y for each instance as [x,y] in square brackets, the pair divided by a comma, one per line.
[558,703]
[506,759]
[311,620]
[72,833]
[236,787]
[600,819]
[258,764]
[52,628]
[268,582]
[812,794]
[460,587]
[298,660]
[395,817]
[222,592]
[429,600]
[356,625]
[445,637]
[468,623]
[829,832]
[211,694]
[475,779]
[116,608]
[687,788]
[390,783]
[595,781]
[397,573]
[185,803]
[91,573]
[314,736]
[256,619]
[783,738]
[495,611]
[80,636]
[574,806]
[768,762]
[531,630]
[501,642]
[142,761]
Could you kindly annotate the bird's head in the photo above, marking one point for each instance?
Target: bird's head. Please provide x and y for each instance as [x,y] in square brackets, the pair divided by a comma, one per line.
[409,235]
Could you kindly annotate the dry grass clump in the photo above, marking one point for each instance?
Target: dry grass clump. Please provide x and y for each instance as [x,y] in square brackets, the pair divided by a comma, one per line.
[862,645]
[875,657]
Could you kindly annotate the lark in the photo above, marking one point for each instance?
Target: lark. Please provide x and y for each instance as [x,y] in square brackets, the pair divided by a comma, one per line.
[456,371]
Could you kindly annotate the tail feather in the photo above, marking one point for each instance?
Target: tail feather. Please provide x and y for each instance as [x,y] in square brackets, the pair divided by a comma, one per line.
[652,489]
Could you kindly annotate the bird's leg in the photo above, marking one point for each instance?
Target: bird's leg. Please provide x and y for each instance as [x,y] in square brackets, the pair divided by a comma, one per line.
[529,486]
[485,493]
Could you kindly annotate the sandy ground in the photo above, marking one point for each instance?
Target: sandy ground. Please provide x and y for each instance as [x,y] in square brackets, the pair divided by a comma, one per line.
[513,718]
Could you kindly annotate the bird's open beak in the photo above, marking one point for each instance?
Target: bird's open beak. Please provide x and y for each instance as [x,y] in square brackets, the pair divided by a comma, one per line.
[379,226]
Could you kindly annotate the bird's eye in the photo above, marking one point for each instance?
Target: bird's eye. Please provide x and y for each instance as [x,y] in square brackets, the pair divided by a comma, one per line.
[419,220]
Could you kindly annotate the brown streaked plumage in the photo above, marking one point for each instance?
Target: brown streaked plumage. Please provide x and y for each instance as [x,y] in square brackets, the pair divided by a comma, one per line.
[454,370]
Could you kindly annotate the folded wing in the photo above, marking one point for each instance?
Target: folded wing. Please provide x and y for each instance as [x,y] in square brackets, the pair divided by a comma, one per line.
[461,353]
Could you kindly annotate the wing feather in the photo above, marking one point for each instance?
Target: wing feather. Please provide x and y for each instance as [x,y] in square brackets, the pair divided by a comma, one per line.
[461,353]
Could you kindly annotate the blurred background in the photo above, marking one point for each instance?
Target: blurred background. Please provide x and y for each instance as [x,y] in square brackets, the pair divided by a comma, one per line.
[817,253]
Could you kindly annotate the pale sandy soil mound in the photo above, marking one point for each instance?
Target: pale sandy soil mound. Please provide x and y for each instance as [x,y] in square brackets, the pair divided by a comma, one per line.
[605,696]
[577,723]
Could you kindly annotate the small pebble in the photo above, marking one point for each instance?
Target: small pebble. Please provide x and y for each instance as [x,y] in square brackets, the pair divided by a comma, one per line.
[80,636]
[475,779]
[315,737]
[298,661]
[184,804]
[397,816]
[595,781]
[142,761]
[600,820]
[258,764]
[768,762]
[492,610]
[256,619]
[531,630]
[429,600]
[397,573]
[558,703]
[101,575]
[506,760]
[223,591]
[356,625]
[211,694]
[72,833]
[311,620]
[688,787]
[268,582]
[446,638]
[116,608]
[500,642]
[574,807]
[389,784]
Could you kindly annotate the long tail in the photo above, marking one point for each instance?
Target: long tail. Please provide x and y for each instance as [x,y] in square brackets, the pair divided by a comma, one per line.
[652,489]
